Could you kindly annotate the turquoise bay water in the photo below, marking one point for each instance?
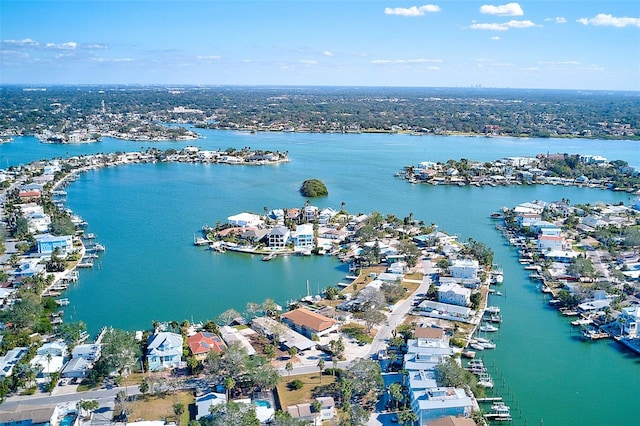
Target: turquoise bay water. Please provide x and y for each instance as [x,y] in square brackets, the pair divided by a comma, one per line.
[146,216]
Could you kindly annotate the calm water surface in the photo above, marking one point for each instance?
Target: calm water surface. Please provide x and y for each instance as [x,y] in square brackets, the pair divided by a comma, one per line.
[146,216]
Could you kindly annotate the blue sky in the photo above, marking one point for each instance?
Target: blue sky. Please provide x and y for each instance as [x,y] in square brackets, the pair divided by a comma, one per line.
[568,44]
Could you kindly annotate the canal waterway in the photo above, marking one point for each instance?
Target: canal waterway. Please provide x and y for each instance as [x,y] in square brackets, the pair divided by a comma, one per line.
[147,214]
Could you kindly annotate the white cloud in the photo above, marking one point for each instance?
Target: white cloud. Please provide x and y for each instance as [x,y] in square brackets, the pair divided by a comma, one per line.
[26,42]
[70,45]
[406,61]
[209,57]
[94,46]
[605,20]
[327,53]
[495,38]
[561,63]
[509,9]
[557,20]
[503,26]
[412,11]
[308,62]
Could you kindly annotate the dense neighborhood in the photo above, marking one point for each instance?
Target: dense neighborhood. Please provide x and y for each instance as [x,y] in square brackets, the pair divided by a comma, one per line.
[396,339]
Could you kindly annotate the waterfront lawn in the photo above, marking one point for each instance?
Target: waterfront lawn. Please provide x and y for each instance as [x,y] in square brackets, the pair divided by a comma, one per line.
[311,389]
[153,407]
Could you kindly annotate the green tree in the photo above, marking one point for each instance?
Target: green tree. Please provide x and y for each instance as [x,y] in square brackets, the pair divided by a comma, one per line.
[313,188]
[289,367]
[227,317]
[407,417]
[396,394]
[178,409]
[120,351]
[366,377]
[321,367]
[234,414]
[87,406]
[26,311]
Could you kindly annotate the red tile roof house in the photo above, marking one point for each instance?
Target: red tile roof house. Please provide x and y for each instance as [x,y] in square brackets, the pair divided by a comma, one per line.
[203,342]
[309,323]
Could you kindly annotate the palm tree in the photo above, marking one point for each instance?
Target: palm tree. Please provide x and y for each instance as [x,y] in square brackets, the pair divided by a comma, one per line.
[178,409]
[229,384]
[289,367]
[407,417]
[321,367]
[395,392]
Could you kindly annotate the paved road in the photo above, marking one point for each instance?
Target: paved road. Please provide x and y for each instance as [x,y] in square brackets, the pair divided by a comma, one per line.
[104,396]
[400,310]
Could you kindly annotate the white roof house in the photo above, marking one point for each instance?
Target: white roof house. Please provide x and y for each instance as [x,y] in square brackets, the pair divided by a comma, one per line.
[205,402]
[454,294]
[434,403]
[245,220]
[464,268]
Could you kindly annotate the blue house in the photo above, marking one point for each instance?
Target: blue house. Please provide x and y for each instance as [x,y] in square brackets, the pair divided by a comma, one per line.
[164,351]
[47,243]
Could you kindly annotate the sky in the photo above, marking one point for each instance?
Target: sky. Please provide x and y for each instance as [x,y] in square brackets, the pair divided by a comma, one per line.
[541,44]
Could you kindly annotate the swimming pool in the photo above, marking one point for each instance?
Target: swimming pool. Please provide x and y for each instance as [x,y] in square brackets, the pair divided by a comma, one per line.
[262,403]
[68,420]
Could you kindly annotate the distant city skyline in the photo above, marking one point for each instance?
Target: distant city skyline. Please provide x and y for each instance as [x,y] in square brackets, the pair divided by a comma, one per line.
[543,44]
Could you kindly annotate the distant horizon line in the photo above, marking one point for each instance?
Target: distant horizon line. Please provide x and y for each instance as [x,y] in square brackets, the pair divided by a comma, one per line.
[195,85]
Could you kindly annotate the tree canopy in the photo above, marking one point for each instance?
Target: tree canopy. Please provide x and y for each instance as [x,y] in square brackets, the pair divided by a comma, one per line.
[313,188]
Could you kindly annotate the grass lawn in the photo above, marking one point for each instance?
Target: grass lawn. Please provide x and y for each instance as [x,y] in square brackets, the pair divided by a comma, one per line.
[312,388]
[153,407]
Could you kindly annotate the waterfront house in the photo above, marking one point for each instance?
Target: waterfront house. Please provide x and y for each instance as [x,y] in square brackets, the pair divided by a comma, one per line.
[27,268]
[550,243]
[309,214]
[454,294]
[278,237]
[524,220]
[284,336]
[630,319]
[231,335]
[309,323]
[244,220]
[325,216]
[164,350]
[594,306]
[443,310]
[303,236]
[88,351]
[204,342]
[434,403]
[205,402]
[464,268]
[76,368]
[10,359]
[47,243]
[453,421]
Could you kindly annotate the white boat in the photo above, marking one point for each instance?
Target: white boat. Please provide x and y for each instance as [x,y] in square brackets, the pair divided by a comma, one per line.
[468,354]
[485,381]
[200,241]
[477,346]
[268,257]
[488,328]
[486,343]
[501,409]
[218,246]
[493,309]
[495,318]
[582,321]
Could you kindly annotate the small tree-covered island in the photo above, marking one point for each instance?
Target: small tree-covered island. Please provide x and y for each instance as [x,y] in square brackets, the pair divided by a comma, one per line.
[313,188]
